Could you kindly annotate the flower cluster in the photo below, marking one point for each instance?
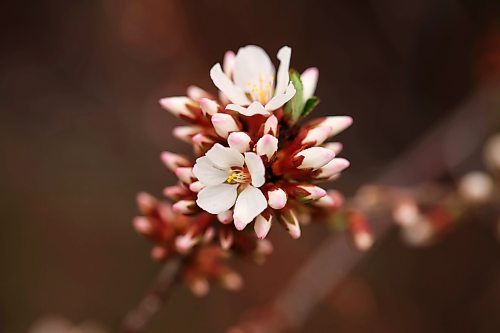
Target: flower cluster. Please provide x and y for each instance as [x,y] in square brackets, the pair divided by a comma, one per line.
[258,161]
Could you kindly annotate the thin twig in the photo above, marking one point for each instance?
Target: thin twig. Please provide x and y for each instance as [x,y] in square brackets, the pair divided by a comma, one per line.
[138,319]
[441,149]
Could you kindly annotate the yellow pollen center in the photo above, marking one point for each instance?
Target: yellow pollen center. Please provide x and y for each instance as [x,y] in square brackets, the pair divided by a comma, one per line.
[237,176]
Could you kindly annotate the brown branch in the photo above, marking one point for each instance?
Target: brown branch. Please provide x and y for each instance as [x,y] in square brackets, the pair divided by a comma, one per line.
[138,319]
[443,148]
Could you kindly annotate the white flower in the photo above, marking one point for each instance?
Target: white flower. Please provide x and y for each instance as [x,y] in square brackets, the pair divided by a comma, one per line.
[232,179]
[253,76]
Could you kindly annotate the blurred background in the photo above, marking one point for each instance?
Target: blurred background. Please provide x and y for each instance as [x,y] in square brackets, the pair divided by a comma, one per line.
[81,133]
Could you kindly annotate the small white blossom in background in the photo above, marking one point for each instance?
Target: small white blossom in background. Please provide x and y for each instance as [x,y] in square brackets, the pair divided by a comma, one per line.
[476,187]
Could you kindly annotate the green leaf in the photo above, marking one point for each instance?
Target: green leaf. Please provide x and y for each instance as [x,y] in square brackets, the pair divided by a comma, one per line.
[310,104]
[293,109]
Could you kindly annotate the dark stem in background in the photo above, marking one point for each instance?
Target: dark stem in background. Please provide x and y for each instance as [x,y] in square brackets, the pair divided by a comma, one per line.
[138,319]
[443,148]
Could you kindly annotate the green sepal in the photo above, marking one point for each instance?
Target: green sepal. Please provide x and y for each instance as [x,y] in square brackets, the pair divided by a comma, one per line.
[309,106]
[293,108]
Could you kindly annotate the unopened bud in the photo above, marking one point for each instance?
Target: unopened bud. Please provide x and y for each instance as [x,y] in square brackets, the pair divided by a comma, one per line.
[225,217]
[146,202]
[177,106]
[277,198]
[196,93]
[291,223]
[184,243]
[271,126]
[314,157]
[309,192]
[262,226]
[239,141]
[209,106]
[184,207]
[186,133]
[143,226]
[173,161]
[224,124]
[406,213]
[267,146]
[174,192]
[360,232]
[476,187]
[336,147]
[185,174]
[332,168]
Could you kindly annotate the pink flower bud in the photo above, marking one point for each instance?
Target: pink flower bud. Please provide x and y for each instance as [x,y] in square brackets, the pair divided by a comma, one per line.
[159,253]
[173,161]
[406,213]
[277,198]
[184,207]
[196,186]
[267,146]
[224,124]
[271,126]
[312,192]
[333,167]
[239,141]
[209,106]
[226,239]
[184,243]
[185,133]
[476,187]
[315,157]
[196,93]
[336,123]
[262,226]
[174,192]
[199,287]
[291,223]
[336,147]
[232,281]
[146,202]
[360,232]
[185,174]
[225,217]
[177,106]
[143,225]
[318,135]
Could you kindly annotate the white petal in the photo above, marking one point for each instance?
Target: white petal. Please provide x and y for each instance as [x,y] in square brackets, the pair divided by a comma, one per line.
[239,141]
[256,168]
[230,90]
[225,217]
[315,157]
[267,145]
[284,55]
[251,65]
[250,203]
[196,93]
[278,100]
[225,157]
[336,147]
[317,134]
[253,109]
[207,173]
[262,226]
[224,124]
[218,198]
[309,80]
[277,198]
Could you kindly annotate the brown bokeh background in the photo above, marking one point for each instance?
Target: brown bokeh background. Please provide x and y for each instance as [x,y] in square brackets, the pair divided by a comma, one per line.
[81,132]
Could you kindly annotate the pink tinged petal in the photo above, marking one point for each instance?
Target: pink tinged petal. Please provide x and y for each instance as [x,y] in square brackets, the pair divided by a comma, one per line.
[208,235]
[228,63]
[196,186]
[256,169]
[177,105]
[225,157]
[314,192]
[279,100]
[251,65]
[226,86]
[224,124]
[239,141]
[284,55]
[277,198]
[336,147]
[186,133]
[196,93]
[173,161]
[309,80]
[271,125]
[174,192]
[262,226]
[337,123]
[317,135]
[291,224]
[184,207]
[225,217]
[250,203]
[267,146]
[218,198]
[315,157]
[333,167]
[209,106]
[252,110]
[327,201]
[207,173]
[185,174]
